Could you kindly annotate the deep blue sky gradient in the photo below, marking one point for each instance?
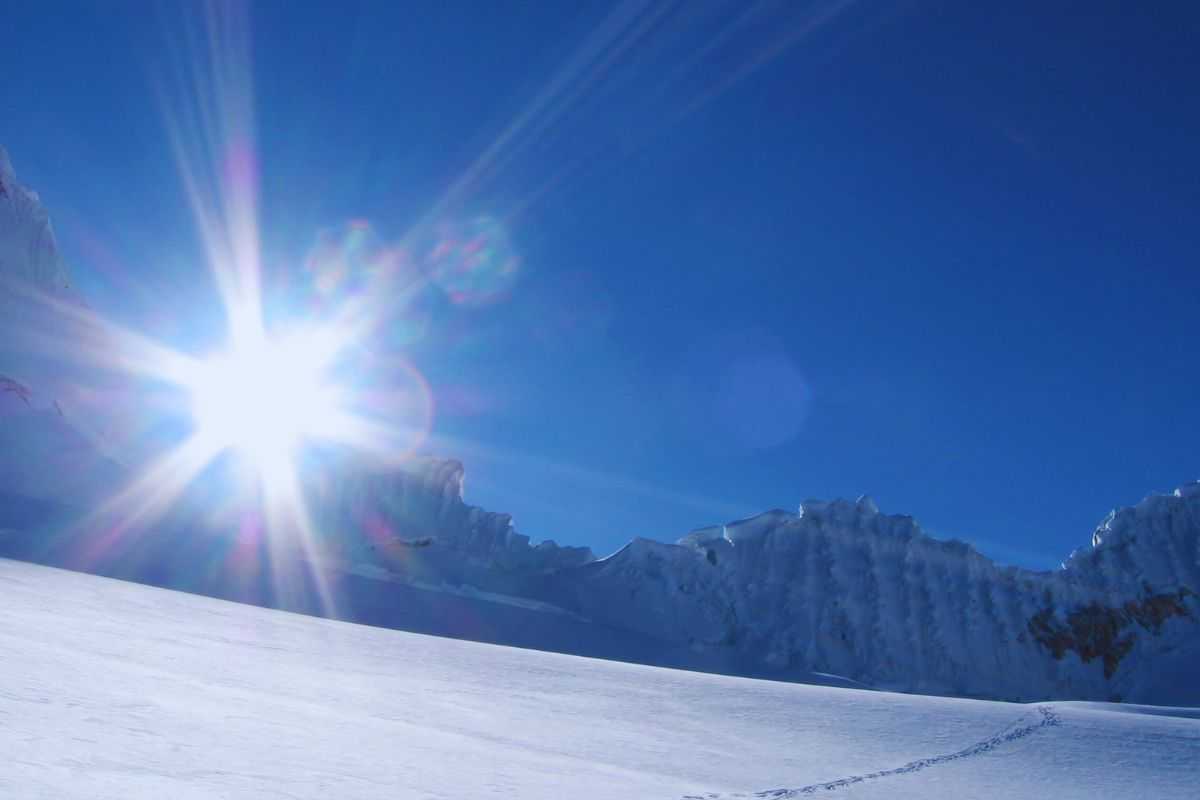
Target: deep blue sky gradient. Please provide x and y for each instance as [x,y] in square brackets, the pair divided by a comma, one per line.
[942,253]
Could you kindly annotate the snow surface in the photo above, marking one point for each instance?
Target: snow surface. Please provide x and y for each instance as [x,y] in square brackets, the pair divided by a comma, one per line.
[116,690]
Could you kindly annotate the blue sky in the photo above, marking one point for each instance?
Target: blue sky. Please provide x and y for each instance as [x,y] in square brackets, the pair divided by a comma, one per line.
[942,254]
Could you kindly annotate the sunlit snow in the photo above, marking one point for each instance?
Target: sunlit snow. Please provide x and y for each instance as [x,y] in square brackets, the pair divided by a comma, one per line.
[117,690]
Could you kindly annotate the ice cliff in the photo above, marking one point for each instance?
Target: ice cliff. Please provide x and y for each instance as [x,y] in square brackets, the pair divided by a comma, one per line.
[835,587]
[44,450]
[28,252]
[839,587]
[411,521]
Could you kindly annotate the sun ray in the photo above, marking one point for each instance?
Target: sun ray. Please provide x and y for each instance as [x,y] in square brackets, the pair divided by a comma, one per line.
[272,389]
[150,494]
[213,140]
[289,522]
[78,334]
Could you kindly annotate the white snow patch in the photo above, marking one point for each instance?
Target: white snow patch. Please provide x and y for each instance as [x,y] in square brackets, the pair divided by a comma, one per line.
[115,690]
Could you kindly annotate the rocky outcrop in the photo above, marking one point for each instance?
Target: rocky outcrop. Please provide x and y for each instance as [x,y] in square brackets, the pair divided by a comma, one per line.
[1099,631]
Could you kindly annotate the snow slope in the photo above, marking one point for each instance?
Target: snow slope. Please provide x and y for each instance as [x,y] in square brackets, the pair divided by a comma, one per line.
[115,690]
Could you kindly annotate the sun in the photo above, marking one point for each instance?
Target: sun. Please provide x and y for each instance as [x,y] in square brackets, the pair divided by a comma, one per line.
[264,398]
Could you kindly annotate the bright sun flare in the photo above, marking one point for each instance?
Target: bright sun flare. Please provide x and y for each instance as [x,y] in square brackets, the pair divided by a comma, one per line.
[265,398]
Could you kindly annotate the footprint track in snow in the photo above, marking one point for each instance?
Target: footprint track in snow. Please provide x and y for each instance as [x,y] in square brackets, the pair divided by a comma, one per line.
[1048,719]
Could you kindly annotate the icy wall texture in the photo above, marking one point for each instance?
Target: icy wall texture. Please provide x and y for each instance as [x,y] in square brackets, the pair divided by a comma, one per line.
[836,587]
[839,587]
[27,248]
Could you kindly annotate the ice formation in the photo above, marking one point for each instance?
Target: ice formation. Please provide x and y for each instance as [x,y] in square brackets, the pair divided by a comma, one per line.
[840,587]
[28,251]
[836,587]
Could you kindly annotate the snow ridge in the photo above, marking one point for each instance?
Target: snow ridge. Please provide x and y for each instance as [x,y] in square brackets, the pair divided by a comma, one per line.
[28,251]
[412,518]
[840,588]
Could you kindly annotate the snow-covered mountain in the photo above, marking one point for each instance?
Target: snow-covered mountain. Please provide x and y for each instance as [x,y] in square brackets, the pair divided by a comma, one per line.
[833,589]
[48,411]
[419,506]
[28,251]
[837,588]
[31,271]
[841,588]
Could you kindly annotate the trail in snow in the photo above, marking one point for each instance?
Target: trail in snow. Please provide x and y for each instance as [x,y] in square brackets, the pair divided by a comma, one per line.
[1048,720]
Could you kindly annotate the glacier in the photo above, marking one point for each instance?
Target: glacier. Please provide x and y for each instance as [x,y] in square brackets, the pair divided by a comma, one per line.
[841,588]
[833,592]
